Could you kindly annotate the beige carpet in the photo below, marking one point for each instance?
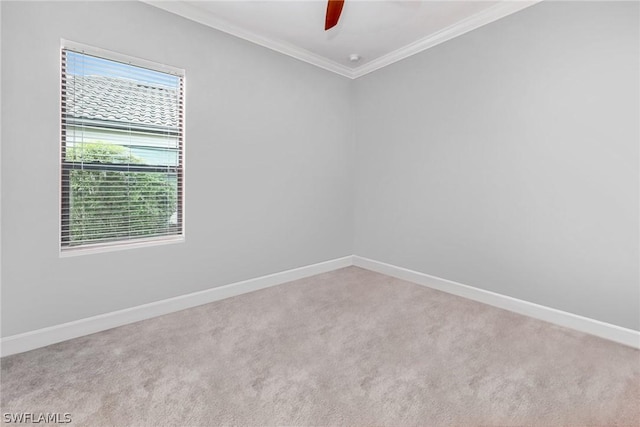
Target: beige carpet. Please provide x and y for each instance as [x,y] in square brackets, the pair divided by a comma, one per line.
[350,347]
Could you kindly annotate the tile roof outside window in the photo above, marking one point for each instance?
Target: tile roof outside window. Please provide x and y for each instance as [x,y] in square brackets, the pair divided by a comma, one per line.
[109,98]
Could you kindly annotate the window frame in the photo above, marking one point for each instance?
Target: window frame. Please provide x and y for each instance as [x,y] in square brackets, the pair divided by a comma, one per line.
[66,167]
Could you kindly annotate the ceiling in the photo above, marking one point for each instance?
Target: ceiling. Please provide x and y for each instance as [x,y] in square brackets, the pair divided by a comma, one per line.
[380,32]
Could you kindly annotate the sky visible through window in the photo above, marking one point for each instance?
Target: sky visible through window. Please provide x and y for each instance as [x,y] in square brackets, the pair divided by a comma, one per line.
[81,64]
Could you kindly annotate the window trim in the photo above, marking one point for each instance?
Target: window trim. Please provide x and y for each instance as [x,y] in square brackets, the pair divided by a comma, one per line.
[99,248]
[120,57]
[117,245]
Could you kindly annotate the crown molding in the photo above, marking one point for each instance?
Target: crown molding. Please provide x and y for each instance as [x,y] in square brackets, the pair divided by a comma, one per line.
[500,10]
[193,13]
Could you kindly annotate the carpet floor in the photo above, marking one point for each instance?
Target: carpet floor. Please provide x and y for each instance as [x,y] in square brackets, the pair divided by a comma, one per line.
[349,347]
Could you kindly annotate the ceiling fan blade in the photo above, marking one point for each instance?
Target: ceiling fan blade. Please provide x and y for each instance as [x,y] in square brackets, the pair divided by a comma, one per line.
[334,9]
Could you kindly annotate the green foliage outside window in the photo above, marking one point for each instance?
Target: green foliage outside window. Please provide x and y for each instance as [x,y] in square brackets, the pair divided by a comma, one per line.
[114,204]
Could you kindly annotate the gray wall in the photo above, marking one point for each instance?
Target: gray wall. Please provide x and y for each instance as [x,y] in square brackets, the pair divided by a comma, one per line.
[507,159]
[268,145]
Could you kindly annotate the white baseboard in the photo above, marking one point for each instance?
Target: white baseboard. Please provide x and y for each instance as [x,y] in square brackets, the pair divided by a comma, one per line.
[54,334]
[600,329]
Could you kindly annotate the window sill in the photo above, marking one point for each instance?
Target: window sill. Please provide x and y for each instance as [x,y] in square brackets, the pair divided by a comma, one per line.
[119,246]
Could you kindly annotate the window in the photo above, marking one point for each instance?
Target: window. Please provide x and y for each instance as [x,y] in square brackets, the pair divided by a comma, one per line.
[121,150]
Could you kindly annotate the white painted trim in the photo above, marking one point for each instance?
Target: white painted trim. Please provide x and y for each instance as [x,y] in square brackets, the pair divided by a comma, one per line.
[500,10]
[51,335]
[487,16]
[120,57]
[120,245]
[600,329]
[193,13]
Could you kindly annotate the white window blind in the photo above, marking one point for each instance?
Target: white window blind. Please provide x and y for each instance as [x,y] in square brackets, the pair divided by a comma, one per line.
[122,150]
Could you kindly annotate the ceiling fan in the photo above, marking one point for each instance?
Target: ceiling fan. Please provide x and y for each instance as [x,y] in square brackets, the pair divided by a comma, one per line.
[334,9]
